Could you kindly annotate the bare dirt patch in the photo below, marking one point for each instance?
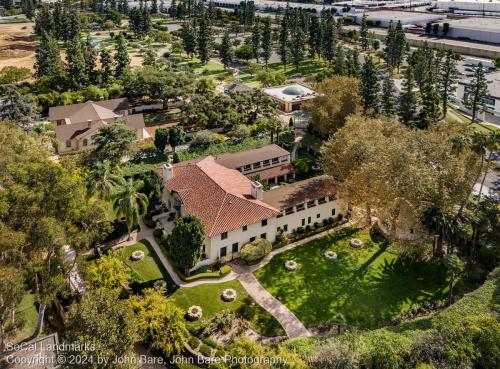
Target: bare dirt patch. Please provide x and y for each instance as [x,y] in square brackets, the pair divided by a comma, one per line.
[17,45]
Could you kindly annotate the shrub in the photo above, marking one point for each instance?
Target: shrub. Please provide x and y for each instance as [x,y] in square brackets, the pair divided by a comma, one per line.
[194,342]
[316,225]
[158,233]
[255,250]
[325,222]
[204,139]
[205,350]
[340,216]
[220,353]
[300,230]
[225,270]
[308,228]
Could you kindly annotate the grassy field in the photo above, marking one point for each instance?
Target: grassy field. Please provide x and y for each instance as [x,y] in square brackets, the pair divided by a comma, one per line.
[367,286]
[147,268]
[208,297]
[29,315]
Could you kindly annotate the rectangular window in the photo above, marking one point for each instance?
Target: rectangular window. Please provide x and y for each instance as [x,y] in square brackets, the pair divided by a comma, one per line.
[322,200]
[223,251]
[256,165]
[311,204]
[318,215]
[68,143]
[308,220]
[85,142]
[300,207]
[289,211]
[223,236]
[275,160]
[284,158]
[267,163]
[285,227]
[234,247]
[240,169]
[247,167]
[304,221]
[245,228]
[333,211]
[332,198]
[252,239]
[263,235]
[263,223]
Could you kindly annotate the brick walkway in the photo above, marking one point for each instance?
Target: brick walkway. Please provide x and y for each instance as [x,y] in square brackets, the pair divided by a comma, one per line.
[290,323]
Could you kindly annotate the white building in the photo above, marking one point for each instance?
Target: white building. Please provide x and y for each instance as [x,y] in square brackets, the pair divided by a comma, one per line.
[291,96]
[492,102]
[479,7]
[383,18]
[476,29]
[235,210]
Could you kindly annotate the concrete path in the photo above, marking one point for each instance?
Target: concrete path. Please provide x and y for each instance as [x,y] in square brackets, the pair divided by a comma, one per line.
[290,323]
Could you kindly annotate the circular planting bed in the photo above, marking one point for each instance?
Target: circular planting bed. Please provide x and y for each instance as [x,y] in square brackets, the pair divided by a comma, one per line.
[291,265]
[137,255]
[330,255]
[229,295]
[356,243]
[194,312]
[160,283]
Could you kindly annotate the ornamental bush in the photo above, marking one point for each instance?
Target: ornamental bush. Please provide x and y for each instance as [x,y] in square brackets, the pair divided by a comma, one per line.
[255,250]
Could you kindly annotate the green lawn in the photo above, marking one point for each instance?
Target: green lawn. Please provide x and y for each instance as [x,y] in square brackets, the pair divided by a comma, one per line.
[208,297]
[29,315]
[148,269]
[367,286]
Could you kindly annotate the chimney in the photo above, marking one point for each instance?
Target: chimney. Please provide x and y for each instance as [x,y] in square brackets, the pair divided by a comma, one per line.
[168,171]
[257,190]
[89,123]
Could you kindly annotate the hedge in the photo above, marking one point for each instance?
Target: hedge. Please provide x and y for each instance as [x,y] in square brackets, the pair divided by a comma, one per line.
[255,250]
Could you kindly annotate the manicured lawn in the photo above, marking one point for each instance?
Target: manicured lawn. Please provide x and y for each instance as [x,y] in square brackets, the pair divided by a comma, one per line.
[148,269]
[29,315]
[208,297]
[368,286]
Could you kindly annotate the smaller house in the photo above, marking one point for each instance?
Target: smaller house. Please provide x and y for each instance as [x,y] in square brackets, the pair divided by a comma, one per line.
[271,163]
[77,123]
[237,88]
[290,97]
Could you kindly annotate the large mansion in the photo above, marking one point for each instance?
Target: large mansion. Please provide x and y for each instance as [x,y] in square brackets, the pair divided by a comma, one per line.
[235,210]
[77,123]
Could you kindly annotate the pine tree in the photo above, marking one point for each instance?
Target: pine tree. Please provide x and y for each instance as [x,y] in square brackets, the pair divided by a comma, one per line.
[476,92]
[447,77]
[283,42]
[205,41]
[75,64]
[48,59]
[370,88]
[154,6]
[188,36]
[408,99]
[363,33]
[388,104]
[297,47]
[44,22]
[314,36]
[340,67]
[389,45]
[122,59]
[266,43]
[58,17]
[399,44]
[256,36]
[329,38]
[90,56]
[226,51]
[353,67]
[106,71]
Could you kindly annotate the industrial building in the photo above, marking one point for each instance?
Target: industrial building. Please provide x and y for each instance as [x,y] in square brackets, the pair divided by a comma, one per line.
[472,7]
[476,29]
[382,18]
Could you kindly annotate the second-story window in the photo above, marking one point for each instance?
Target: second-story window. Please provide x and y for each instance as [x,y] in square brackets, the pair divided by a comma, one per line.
[321,200]
[311,204]
[266,163]
[275,160]
[263,223]
[223,236]
[289,211]
[300,207]
[247,167]
[256,165]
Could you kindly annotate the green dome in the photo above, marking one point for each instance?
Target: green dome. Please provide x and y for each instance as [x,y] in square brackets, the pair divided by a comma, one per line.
[294,90]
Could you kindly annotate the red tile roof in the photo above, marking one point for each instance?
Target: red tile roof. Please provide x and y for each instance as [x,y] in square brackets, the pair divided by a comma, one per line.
[273,172]
[218,196]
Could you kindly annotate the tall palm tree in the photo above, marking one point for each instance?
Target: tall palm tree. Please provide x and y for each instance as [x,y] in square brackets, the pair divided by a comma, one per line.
[128,202]
[102,181]
[455,267]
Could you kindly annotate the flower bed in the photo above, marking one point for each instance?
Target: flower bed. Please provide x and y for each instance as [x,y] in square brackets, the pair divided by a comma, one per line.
[229,295]
[356,243]
[291,265]
[137,255]
[330,255]
[194,312]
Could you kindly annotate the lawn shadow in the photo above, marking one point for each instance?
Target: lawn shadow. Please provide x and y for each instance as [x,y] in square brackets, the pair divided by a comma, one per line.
[265,324]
